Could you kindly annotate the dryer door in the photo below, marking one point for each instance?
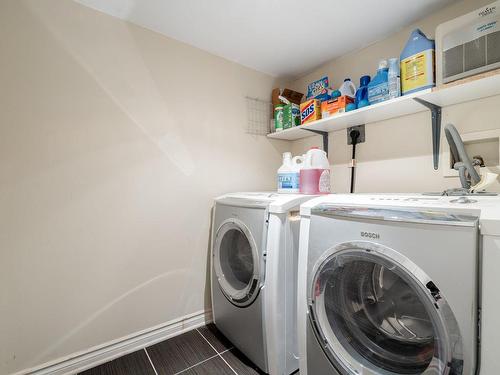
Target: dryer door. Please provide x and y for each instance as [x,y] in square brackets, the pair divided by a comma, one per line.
[374,312]
[236,262]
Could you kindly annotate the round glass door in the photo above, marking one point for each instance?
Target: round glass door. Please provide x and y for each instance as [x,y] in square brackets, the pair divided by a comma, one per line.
[370,313]
[236,263]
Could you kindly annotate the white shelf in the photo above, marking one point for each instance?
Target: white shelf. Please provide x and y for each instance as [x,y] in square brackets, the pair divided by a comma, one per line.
[472,89]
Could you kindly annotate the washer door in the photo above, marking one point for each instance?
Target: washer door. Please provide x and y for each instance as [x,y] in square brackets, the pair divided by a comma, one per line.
[375,312]
[236,262]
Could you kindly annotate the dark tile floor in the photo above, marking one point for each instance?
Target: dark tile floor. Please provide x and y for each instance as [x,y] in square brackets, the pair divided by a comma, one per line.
[203,351]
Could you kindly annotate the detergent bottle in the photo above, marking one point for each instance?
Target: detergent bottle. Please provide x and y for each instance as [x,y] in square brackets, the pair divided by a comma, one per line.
[394,78]
[288,174]
[362,92]
[348,88]
[417,63]
[315,173]
[378,88]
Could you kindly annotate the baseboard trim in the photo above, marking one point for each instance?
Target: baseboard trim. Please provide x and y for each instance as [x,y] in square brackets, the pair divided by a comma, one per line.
[95,356]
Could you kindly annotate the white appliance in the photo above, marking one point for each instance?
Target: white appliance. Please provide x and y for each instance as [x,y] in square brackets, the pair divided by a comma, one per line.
[399,284]
[254,276]
[468,45]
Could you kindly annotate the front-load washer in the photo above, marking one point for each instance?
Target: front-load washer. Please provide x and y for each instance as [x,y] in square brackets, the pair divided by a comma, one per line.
[399,284]
[254,276]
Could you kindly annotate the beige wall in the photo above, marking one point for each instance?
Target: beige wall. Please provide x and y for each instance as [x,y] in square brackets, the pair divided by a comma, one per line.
[113,142]
[397,156]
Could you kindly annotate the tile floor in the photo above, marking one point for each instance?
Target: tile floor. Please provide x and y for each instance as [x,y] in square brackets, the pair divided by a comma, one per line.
[203,351]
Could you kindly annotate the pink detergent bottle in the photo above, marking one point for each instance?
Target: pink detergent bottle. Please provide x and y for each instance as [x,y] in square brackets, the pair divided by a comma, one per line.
[315,173]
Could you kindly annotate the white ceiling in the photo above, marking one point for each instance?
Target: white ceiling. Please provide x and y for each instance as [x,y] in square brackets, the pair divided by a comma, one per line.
[278,37]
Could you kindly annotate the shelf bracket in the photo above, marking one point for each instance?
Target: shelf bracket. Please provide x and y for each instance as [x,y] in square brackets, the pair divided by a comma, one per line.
[436,128]
[325,138]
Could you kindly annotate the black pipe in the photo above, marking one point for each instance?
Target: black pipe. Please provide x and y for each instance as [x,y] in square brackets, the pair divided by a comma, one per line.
[354,134]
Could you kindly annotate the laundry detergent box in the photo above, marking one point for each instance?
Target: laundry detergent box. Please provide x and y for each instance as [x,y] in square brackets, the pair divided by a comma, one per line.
[291,115]
[318,89]
[334,106]
[310,110]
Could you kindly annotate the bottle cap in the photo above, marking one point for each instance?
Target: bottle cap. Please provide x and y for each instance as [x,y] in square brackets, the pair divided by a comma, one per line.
[393,61]
[382,64]
[364,80]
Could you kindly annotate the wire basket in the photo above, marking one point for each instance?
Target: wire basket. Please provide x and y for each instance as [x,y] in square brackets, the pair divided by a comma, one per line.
[258,116]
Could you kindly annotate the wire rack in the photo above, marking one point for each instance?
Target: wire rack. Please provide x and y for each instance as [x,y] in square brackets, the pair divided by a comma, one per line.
[258,116]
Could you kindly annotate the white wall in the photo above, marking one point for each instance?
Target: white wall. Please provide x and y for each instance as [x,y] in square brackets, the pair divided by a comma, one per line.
[113,142]
[397,154]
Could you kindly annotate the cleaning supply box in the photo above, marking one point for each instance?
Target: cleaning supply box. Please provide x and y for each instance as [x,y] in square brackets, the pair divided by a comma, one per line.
[291,115]
[310,111]
[334,106]
[318,89]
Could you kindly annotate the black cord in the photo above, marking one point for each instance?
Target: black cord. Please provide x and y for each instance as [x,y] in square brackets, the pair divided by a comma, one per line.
[354,134]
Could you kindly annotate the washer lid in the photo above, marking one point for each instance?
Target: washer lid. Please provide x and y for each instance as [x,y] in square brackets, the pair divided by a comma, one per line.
[276,202]
[486,208]
[398,214]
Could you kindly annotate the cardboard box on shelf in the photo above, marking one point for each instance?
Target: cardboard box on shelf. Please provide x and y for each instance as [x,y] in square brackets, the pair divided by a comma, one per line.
[334,106]
[310,111]
[292,96]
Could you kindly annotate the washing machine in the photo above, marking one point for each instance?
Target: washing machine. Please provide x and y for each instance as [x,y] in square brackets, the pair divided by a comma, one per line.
[399,284]
[254,276]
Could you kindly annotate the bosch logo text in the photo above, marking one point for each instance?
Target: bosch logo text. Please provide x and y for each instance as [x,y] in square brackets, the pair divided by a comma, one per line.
[370,235]
[487,11]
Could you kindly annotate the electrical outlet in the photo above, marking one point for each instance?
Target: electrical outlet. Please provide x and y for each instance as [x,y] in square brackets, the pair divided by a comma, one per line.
[361,138]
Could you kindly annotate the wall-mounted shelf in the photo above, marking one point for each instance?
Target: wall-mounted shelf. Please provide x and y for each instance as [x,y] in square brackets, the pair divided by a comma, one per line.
[404,105]
[469,89]
[466,90]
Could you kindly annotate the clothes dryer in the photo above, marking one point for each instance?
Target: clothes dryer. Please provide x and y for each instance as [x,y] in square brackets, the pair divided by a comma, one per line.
[254,276]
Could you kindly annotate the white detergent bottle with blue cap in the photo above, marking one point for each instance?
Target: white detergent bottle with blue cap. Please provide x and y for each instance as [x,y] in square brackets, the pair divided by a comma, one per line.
[417,63]
[348,88]
[289,174]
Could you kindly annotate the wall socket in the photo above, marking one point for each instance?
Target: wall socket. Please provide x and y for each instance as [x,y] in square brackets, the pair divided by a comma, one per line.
[361,138]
